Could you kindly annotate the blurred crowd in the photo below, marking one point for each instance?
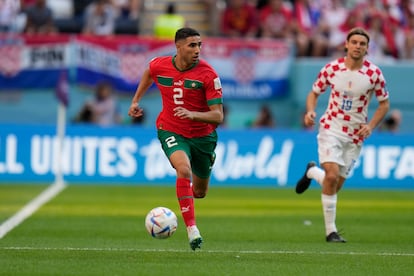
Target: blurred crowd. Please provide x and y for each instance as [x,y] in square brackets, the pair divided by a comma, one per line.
[100,17]
[316,27]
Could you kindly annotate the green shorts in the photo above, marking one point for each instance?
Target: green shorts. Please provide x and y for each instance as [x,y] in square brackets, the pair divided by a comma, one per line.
[199,150]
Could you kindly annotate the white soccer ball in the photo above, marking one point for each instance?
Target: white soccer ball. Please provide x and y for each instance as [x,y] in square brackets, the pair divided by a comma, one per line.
[161,222]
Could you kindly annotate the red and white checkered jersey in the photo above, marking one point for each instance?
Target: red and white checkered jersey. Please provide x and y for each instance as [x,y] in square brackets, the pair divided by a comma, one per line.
[351,92]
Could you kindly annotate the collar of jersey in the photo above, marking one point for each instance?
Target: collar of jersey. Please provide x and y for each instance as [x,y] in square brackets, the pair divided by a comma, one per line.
[192,66]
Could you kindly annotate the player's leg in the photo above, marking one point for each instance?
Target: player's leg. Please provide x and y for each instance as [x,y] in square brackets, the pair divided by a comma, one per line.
[330,181]
[202,161]
[178,152]
[305,181]
[333,184]
[329,200]
[200,186]
[181,163]
[331,155]
[325,143]
[329,196]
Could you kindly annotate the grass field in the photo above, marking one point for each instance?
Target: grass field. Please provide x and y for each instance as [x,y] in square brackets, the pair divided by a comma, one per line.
[99,230]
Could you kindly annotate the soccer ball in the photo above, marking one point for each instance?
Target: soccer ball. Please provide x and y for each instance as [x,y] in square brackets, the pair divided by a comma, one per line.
[161,222]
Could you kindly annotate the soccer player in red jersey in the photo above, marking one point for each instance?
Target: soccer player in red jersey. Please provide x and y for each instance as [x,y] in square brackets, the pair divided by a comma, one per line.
[192,108]
[353,80]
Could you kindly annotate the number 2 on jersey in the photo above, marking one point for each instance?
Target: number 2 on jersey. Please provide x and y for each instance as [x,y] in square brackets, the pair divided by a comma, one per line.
[178,96]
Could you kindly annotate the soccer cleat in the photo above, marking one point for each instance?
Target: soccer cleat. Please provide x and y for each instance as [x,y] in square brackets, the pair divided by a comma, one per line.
[194,237]
[305,181]
[334,237]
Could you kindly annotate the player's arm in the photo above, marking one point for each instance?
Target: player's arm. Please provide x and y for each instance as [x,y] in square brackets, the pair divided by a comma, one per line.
[379,114]
[214,116]
[144,85]
[311,102]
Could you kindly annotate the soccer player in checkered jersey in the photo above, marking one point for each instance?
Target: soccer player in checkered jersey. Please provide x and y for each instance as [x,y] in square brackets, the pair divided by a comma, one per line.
[186,126]
[352,80]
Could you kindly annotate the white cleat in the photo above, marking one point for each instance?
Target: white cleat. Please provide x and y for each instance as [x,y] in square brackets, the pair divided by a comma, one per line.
[194,237]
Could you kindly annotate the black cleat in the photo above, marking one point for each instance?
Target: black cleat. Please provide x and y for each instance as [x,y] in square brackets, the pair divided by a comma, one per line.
[334,237]
[304,182]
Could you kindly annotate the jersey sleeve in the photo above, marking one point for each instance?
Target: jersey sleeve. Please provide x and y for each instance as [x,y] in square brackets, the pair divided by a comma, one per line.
[380,88]
[214,90]
[322,80]
[152,65]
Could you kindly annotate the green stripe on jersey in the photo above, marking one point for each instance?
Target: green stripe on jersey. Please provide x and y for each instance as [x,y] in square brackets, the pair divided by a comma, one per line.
[193,84]
[165,81]
[215,101]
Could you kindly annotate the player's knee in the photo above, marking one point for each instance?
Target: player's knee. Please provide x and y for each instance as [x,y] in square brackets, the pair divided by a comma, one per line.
[183,171]
[331,179]
[199,194]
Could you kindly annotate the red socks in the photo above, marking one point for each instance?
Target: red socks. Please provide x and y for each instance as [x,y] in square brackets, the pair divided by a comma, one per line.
[186,200]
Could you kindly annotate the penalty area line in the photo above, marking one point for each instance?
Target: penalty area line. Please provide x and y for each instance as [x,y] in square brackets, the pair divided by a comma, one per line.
[49,193]
[247,252]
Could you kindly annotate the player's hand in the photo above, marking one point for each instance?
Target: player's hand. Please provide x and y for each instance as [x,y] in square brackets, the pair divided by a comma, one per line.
[183,113]
[309,118]
[135,111]
[364,131]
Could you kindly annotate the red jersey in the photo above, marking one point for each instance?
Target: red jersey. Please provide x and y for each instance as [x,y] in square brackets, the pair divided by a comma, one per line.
[194,89]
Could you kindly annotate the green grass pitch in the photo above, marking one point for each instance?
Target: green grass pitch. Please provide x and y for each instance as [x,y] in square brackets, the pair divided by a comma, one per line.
[99,230]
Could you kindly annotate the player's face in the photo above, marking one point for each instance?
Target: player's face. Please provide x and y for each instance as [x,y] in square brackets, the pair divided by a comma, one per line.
[189,49]
[357,46]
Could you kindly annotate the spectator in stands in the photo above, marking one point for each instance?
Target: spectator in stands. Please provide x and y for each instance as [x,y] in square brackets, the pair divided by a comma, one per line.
[10,16]
[391,18]
[408,51]
[103,109]
[406,8]
[214,10]
[128,14]
[99,18]
[264,119]
[333,15]
[379,46]
[84,115]
[275,21]
[128,8]
[39,19]
[167,24]
[353,19]
[392,122]
[309,40]
[239,19]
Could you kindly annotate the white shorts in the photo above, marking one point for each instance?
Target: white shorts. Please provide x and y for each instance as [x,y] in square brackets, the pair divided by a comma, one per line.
[332,148]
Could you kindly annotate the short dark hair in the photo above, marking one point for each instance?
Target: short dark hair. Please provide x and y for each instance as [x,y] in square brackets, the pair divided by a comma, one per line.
[357,31]
[183,33]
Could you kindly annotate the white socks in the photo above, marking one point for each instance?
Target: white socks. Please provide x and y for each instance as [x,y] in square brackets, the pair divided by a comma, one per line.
[316,173]
[328,201]
[329,212]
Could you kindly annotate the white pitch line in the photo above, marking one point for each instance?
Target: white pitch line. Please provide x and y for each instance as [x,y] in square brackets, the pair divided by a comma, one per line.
[276,252]
[30,208]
